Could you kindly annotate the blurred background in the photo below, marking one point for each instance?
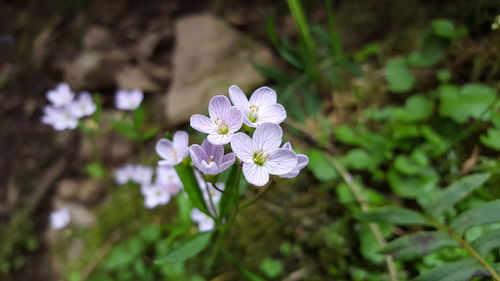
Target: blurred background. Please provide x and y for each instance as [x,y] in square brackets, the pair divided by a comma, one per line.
[335,65]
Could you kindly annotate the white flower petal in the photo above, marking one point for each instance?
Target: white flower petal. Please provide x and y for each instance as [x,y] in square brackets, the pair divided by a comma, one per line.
[203,124]
[242,146]
[218,139]
[234,120]
[263,96]
[255,174]
[267,137]
[282,161]
[274,114]
[219,107]
[238,98]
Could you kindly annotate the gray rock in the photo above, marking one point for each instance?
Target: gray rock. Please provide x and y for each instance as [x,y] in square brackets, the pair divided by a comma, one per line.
[135,78]
[94,69]
[97,38]
[67,189]
[210,56]
[86,191]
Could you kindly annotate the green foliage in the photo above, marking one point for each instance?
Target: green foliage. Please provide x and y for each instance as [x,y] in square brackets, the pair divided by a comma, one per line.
[188,249]
[320,167]
[186,174]
[271,268]
[395,215]
[231,192]
[469,101]
[400,78]
[418,244]
[455,192]
[486,213]
[96,170]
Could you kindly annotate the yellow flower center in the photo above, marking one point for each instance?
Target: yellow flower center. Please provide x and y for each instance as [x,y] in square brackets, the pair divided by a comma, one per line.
[252,115]
[222,127]
[260,157]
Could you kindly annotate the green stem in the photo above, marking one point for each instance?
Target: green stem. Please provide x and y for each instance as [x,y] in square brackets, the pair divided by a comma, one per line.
[357,190]
[467,247]
[257,197]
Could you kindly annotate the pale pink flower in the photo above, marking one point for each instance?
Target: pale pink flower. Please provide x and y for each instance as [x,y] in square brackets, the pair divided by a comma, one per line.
[60,218]
[128,99]
[302,161]
[223,122]
[173,152]
[261,107]
[61,95]
[262,155]
[210,159]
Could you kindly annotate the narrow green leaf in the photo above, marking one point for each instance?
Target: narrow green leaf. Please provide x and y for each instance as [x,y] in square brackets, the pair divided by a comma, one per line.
[272,73]
[299,17]
[418,244]
[484,214]
[456,192]
[188,249]
[231,192]
[461,270]
[191,187]
[139,117]
[125,129]
[487,242]
[149,134]
[395,215]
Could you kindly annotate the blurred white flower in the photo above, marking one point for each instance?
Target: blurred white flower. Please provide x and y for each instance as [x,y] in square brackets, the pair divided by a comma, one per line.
[60,218]
[61,95]
[128,100]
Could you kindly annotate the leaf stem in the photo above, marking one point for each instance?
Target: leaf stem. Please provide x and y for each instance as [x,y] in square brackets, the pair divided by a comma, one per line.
[257,197]
[356,189]
[467,247]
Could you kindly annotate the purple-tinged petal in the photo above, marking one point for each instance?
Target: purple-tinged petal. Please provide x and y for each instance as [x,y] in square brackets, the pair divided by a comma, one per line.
[209,168]
[166,150]
[255,174]
[180,140]
[274,114]
[203,124]
[282,161]
[220,139]
[198,155]
[287,145]
[219,107]
[226,162]
[242,146]
[206,225]
[263,96]
[238,98]
[267,137]
[212,150]
[302,161]
[234,119]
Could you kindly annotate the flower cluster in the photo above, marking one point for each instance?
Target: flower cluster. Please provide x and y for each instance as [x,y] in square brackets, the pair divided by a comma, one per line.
[158,192]
[261,154]
[64,111]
